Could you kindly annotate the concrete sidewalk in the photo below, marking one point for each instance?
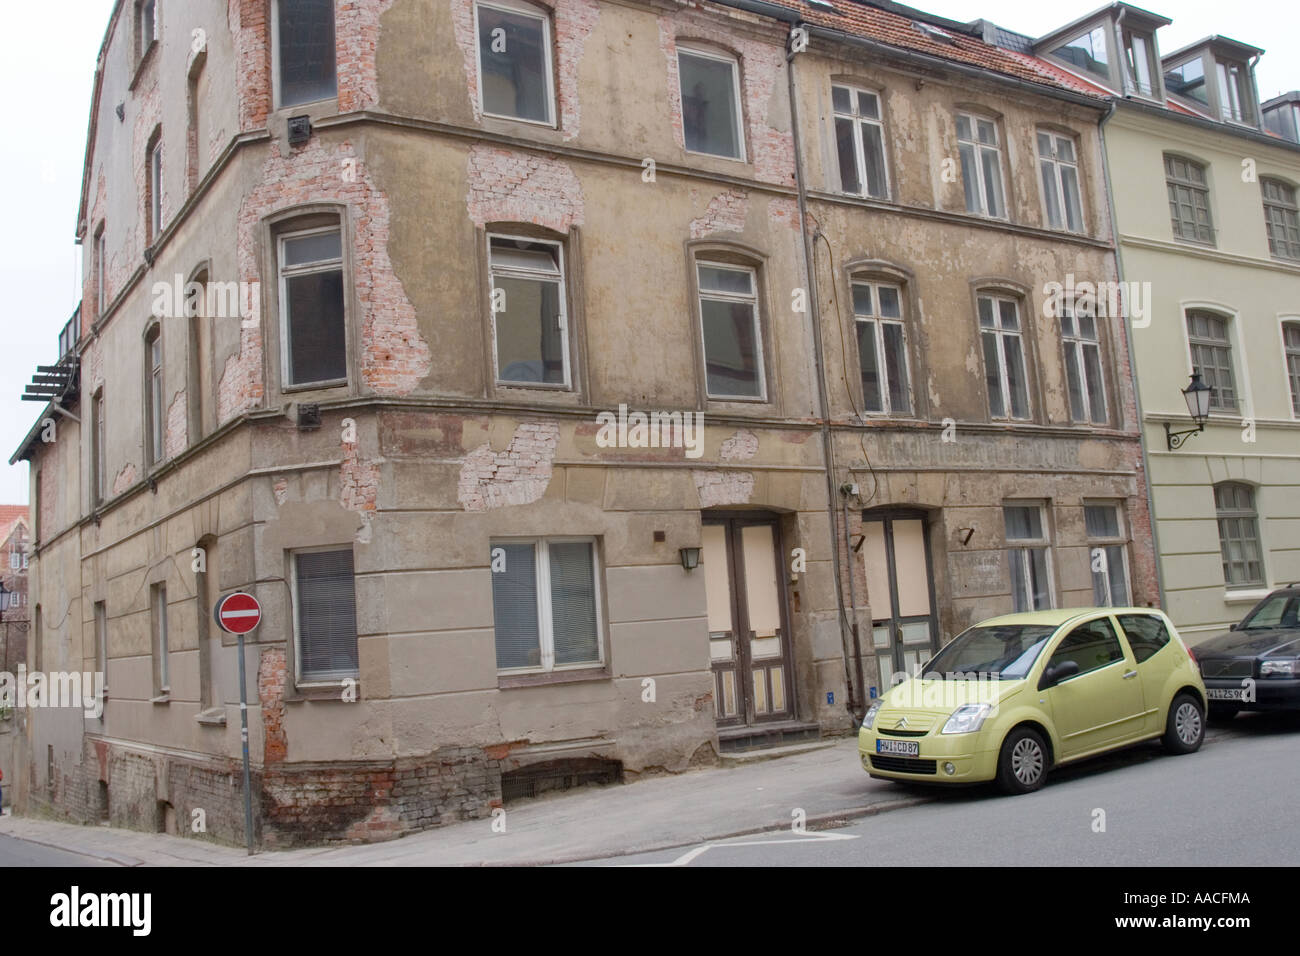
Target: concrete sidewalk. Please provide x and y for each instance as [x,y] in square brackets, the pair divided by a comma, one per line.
[659,813]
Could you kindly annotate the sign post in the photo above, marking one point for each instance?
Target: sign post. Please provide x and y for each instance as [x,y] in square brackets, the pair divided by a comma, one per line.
[238,614]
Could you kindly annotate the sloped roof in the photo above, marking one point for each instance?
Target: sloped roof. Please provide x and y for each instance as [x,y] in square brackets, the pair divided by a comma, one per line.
[9,516]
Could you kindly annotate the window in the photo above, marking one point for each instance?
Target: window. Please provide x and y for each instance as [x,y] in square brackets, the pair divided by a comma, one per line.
[1108,555]
[1243,563]
[710,88]
[882,348]
[1092,645]
[1234,92]
[1281,218]
[860,142]
[1028,557]
[546,604]
[981,165]
[1083,376]
[325,615]
[1060,176]
[312,313]
[1146,634]
[1189,200]
[101,641]
[153,398]
[530,327]
[154,187]
[146,19]
[1188,79]
[514,60]
[98,448]
[1139,51]
[1004,357]
[158,609]
[98,262]
[1291,343]
[304,51]
[1087,52]
[733,345]
[1211,349]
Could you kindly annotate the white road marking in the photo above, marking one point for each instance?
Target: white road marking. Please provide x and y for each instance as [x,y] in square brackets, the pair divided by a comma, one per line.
[686,858]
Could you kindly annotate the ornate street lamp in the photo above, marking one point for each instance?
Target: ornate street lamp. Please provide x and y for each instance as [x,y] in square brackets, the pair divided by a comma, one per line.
[1197,395]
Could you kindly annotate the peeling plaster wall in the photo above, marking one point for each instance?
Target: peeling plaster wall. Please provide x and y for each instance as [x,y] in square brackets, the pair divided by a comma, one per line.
[513,186]
[516,476]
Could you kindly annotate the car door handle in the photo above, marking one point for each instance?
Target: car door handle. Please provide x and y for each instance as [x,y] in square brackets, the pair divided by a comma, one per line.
[1130,674]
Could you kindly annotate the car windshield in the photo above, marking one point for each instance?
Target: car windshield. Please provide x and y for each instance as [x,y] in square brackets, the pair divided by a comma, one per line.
[1278,610]
[990,652]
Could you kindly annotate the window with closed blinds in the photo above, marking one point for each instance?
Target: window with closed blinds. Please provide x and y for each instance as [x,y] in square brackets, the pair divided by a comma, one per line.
[326,615]
[545,601]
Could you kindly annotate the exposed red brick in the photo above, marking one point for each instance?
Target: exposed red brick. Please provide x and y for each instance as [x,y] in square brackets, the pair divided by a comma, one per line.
[251,33]
[517,476]
[727,212]
[125,478]
[176,435]
[510,186]
[272,673]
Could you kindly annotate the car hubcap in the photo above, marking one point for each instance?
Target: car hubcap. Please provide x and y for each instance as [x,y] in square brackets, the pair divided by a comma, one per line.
[1187,724]
[1027,761]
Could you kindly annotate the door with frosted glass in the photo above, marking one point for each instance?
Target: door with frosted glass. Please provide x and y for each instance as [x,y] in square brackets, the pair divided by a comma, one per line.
[749,639]
[904,627]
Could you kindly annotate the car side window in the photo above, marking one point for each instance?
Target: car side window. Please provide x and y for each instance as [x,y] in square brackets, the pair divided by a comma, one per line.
[1091,645]
[1146,634]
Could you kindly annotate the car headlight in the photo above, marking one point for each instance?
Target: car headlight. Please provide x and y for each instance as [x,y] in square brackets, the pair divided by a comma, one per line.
[967,718]
[869,718]
[1280,668]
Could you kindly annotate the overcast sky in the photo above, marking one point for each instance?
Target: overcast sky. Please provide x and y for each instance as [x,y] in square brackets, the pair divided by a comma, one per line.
[47,63]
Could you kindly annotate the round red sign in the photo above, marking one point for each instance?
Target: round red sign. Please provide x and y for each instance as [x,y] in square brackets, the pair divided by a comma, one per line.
[238,613]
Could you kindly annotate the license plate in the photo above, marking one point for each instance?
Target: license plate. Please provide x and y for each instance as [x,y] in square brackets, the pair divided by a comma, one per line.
[899,748]
[1226,693]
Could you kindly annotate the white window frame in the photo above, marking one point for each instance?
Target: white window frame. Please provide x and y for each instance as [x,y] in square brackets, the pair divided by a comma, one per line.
[159,638]
[537,13]
[156,436]
[1288,352]
[1019,548]
[706,54]
[1057,163]
[282,291]
[99,264]
[1121,541]
[859,150]
[975,119]
[1129,59]
[147,26]
[297,623]
[545,620]
[878,322]
[1004,380]
[155,173]
[751,299]
[99,447]
[531,275]
[1078,343]
[275,60]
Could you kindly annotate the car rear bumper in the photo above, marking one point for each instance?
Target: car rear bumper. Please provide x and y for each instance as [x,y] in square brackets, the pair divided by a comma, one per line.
[1269,694]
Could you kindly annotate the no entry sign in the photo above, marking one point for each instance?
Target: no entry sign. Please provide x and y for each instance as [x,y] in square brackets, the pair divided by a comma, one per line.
[238,613]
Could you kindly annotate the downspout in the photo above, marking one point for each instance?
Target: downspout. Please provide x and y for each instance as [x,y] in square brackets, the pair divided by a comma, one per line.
[1132,361]
[1126,85]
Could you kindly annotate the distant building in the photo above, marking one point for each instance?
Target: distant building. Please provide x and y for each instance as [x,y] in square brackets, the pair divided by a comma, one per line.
[15,615]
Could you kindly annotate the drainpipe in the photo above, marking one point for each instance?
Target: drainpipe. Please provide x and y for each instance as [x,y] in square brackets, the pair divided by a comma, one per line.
[1132,361]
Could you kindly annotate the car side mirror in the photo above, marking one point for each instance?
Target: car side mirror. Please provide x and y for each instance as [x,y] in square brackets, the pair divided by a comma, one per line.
[1057,673]
[1234,626]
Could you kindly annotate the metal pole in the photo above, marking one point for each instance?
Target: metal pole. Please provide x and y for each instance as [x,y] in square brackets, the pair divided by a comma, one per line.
[243,734]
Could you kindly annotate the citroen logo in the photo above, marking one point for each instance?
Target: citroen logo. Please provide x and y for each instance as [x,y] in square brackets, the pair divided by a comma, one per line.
[902,722]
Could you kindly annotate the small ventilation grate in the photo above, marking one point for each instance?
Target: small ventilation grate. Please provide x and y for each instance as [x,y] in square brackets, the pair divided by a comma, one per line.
[539,778]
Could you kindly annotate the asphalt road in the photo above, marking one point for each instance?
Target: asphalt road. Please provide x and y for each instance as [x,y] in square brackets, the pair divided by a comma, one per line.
[1230,804]
[14,852]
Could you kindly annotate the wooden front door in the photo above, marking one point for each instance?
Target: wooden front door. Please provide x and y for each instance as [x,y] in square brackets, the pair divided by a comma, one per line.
[749,633]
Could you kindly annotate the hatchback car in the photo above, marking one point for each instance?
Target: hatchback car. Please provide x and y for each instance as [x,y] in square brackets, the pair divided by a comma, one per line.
[1015,696]
[1256,665]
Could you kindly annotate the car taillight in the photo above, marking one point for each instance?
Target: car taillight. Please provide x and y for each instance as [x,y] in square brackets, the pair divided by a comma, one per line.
[1192,655]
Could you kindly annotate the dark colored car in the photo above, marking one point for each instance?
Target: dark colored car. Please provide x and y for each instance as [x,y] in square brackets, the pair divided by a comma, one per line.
[1256,665]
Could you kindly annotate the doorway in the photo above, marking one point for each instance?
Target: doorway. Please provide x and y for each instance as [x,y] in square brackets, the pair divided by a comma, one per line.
[900,586]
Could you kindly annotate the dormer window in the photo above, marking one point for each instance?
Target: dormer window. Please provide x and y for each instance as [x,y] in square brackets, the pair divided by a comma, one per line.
[1234,92]
[1140,62]
[1188,79]
[1216,73]
[1087,52]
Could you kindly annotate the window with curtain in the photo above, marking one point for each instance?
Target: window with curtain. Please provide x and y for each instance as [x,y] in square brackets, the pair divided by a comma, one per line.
[882,348]
[325,615]
[545,603]
[860,142]
[1004,357]
[1108,555]
[981,165]
[1058,165]
[1028,556]
[1083,368]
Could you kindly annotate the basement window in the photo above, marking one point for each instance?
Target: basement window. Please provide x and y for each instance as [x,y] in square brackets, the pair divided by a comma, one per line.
[546,604]
[304,51]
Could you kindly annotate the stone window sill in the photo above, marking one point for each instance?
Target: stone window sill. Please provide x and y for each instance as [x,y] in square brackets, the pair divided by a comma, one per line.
[506,681]
[212,717]
[322,691]
[1246,597]
[164,698]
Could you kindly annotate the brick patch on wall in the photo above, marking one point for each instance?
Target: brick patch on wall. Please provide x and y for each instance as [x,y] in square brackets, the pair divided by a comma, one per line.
[177,435]
[125,478]
[723,487]
[726,212]
[517,476]
[271,676]
[510,186]
[741,446]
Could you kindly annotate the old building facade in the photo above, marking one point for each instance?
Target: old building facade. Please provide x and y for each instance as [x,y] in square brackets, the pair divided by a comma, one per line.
[460,331]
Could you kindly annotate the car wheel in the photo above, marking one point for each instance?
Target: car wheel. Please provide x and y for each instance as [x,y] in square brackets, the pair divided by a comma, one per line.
[1185,727]
[1022,765]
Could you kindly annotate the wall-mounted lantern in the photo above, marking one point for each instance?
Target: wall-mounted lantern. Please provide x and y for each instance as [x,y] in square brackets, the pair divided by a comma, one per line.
[1197,395]
[690,558]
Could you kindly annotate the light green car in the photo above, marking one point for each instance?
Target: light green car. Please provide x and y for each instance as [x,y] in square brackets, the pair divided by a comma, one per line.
[1015,696]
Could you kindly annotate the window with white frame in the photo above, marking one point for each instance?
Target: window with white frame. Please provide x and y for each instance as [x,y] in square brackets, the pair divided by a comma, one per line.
[99,262]
[1281,218]
[1235,95]
[312,313]
[529,320]
[1004,357]
[981,165]
[161,653]
[1139,51]
[1189,200]
[733,338]
[101,642]
[882,348]
[1059,169]
[304,51]
[1291,348]
[1211,350]
[710,91]
[514,61]
[153,398]
[860,142]
[546,604]
[1239,545]
[1083,375]
[1107,554]
[154,171]
[324,615]
[98,449]
[1028,556]
[1087,52]
[146,18]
